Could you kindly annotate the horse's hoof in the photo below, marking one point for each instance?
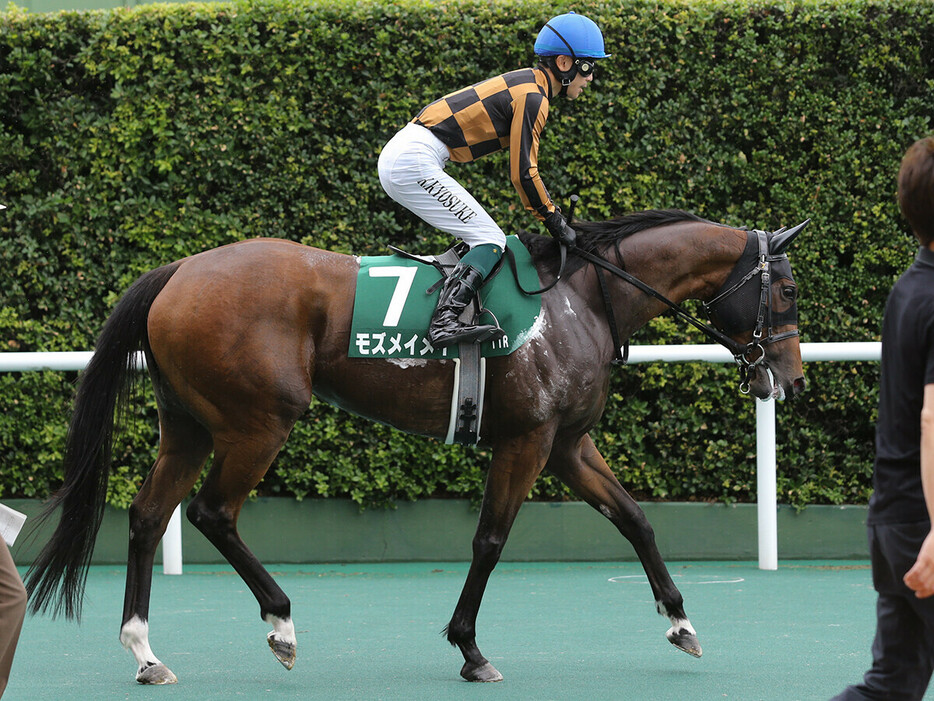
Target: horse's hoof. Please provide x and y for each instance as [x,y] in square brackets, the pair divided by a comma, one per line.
[156,674]
[284,652]
[481,673]
[685,640]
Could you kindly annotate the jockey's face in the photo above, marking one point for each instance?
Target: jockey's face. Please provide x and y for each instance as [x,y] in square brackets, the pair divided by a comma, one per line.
[577,86]
[579,82]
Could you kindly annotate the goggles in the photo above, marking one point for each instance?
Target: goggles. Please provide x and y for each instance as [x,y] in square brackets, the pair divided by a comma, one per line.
[585,66]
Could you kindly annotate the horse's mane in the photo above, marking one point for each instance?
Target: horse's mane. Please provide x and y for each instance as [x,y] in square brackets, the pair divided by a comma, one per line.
[593,235]
[597,236]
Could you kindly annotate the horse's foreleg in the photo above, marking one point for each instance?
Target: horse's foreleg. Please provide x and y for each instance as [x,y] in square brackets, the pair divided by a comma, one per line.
[239,464]
[183,448]
[514,469]
[585,471]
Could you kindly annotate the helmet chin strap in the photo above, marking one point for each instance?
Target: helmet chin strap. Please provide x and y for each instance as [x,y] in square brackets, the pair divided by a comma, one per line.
[566,77]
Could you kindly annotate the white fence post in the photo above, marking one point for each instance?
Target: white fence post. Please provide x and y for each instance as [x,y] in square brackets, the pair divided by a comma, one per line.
[766,486]
[172,544]
[765,424]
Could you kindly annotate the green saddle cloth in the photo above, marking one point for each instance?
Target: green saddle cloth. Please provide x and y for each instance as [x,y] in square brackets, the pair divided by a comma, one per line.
[392,307]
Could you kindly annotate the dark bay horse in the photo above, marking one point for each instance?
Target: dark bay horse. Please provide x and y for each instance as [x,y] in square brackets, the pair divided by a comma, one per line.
[239,338]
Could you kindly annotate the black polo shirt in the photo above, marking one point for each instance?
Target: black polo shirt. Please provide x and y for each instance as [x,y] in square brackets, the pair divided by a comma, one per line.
[907,366]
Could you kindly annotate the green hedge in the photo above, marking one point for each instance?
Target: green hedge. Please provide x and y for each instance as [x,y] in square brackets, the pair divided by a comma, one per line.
[130,138]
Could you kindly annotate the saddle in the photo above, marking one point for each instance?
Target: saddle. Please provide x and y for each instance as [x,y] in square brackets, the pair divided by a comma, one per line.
[395,297]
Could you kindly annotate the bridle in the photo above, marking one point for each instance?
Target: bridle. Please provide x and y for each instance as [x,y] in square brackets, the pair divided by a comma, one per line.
[748,356]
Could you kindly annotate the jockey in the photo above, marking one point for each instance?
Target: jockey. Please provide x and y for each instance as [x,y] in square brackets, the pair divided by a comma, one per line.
[505,112]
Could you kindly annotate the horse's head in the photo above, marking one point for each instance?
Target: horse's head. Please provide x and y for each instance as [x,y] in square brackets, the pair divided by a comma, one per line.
[757,309]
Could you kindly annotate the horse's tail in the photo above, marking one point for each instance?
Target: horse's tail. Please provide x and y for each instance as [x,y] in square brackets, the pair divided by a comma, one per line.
[105,386]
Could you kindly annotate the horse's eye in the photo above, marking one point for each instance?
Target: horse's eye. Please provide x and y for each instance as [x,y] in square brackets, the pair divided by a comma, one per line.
[790,293]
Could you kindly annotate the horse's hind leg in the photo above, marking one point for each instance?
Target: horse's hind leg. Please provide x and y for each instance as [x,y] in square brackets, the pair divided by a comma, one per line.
[240,461]
[183,448]
[585,471]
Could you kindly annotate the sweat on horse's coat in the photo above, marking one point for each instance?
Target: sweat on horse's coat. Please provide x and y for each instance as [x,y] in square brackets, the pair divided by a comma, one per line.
[239,338]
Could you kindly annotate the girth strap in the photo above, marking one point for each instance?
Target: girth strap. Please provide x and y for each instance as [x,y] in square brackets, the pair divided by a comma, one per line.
[469,374]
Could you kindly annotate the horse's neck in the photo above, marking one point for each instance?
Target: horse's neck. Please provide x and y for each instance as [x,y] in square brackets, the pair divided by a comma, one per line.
[690,261]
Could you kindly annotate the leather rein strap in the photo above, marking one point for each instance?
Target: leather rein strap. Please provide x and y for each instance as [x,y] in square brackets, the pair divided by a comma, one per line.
[735,348]
[747,356]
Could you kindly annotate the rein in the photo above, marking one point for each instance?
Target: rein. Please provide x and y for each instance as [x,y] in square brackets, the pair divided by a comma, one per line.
[747,356]
[711,332]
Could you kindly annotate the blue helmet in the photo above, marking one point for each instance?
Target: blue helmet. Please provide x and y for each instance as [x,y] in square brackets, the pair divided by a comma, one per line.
[570,35]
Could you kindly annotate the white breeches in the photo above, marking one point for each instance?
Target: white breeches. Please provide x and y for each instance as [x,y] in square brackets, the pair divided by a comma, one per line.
[411,171]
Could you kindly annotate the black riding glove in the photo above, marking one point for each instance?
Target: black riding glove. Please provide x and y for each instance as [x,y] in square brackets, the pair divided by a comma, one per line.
[558,227]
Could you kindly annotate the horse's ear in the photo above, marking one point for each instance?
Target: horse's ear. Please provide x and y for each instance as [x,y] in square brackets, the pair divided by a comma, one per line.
[779,240]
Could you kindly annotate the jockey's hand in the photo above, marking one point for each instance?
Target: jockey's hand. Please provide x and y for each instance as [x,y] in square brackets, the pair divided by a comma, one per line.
[558,227]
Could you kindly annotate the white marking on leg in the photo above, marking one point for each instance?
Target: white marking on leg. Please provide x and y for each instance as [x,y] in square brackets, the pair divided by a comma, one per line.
[683,636]
[134,635]
[283,628]
[679,625]
[282,639]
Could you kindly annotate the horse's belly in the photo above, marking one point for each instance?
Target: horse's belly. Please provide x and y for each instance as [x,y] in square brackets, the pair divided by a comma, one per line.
[411,395]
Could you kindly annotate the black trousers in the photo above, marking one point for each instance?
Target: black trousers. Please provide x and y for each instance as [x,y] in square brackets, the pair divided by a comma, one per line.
[903,649]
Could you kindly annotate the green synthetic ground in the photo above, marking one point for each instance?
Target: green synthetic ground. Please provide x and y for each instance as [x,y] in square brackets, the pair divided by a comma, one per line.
[555,631]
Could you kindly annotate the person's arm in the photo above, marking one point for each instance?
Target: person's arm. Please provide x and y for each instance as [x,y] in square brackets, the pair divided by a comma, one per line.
[920,578]
[529,117]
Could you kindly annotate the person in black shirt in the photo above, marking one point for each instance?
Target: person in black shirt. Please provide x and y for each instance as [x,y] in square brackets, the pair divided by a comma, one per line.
[901,508]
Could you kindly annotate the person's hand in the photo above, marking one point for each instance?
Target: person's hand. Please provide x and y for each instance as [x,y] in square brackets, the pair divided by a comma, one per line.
[920,578]
[559,228]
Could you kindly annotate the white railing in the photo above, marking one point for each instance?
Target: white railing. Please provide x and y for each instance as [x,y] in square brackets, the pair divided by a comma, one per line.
[766,488]
[766,482]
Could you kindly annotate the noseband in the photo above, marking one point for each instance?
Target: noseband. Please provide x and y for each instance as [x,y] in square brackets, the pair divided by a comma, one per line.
[747,356]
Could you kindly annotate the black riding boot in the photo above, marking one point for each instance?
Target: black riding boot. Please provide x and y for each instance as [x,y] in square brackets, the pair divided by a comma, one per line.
[458,291]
